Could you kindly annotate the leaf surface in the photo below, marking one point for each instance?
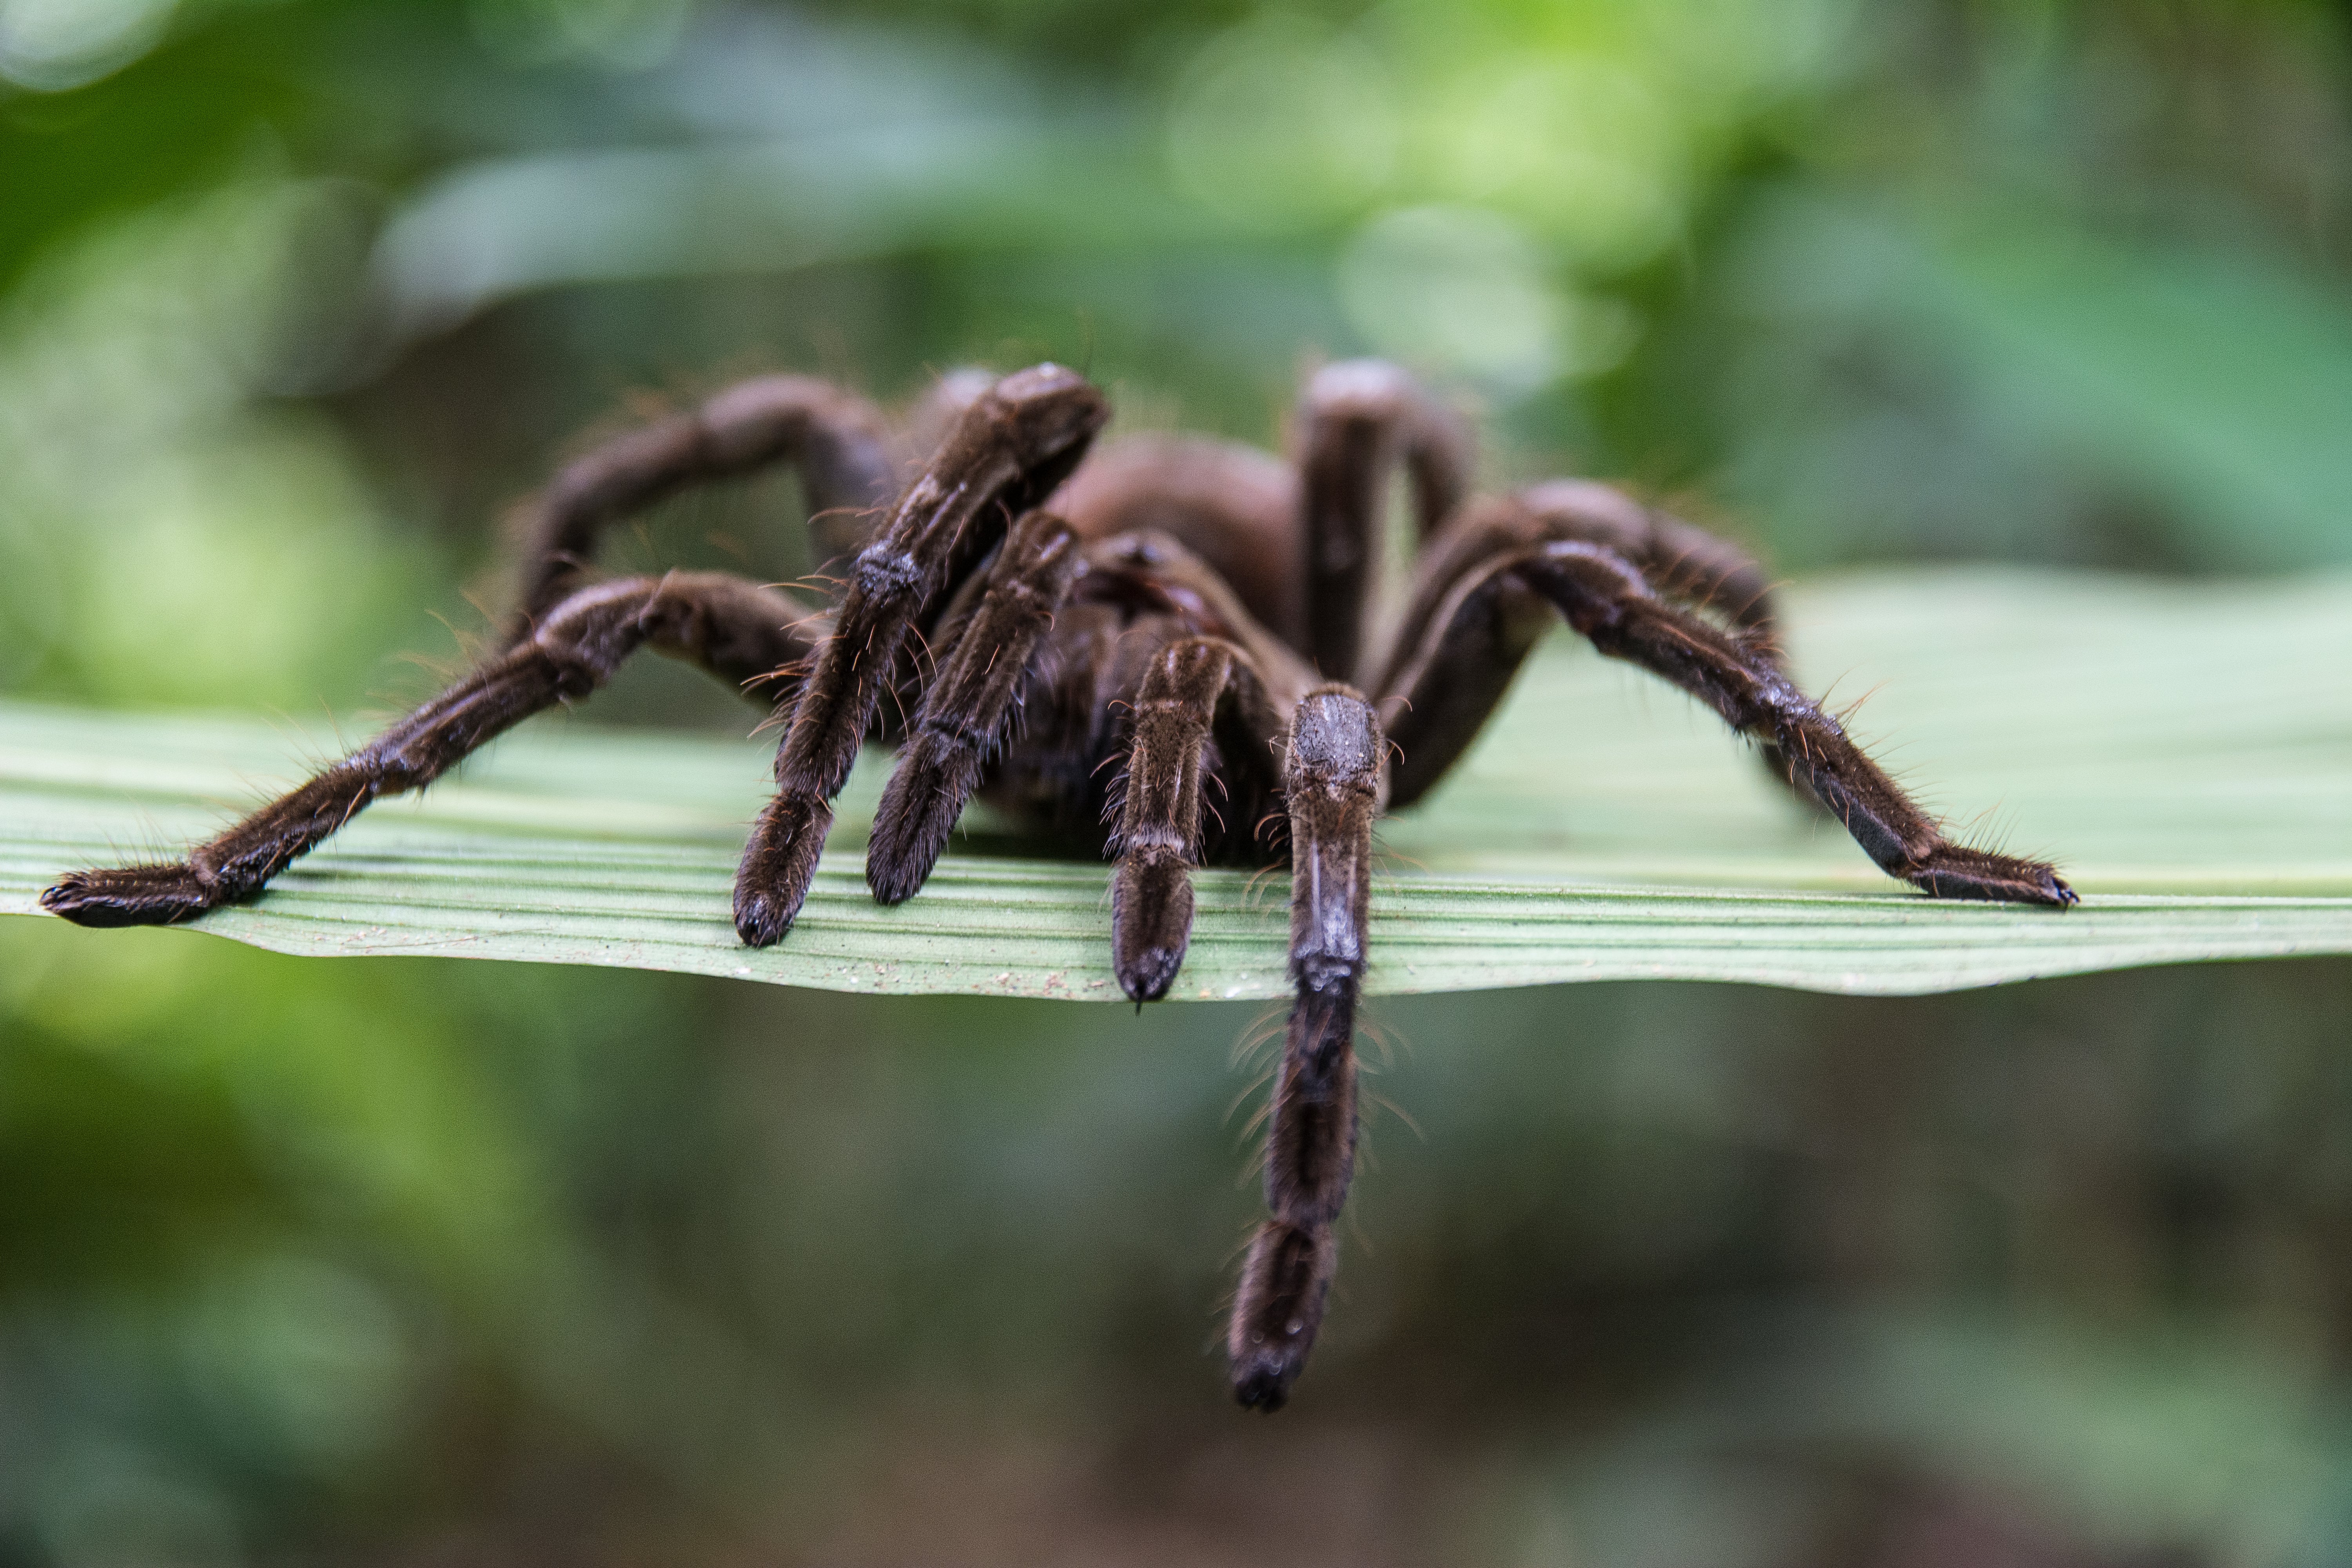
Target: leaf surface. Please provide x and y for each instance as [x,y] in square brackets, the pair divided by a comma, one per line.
[2183,751]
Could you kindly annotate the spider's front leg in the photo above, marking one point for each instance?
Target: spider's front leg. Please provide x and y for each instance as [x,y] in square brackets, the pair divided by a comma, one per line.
[1010,450]
[1331,781]
[1247,675]
[1158,842]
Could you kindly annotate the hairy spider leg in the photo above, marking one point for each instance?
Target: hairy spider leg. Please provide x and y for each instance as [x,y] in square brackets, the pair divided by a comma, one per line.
[970,708]
[1610,603]
[836,439]
[1438,687]
[1356,419]
[737,630]
[1157,841]
[1010,450]
[1331,785]
[1681,562]
[1331,781]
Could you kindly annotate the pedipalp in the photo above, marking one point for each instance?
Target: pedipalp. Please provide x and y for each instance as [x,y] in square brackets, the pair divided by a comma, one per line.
[970,704]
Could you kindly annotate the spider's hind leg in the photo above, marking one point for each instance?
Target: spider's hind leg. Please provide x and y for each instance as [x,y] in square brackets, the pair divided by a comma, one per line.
[1683,562]
[1357,420]
[836,440]
[1472,635]
[1606,600]
[737,630]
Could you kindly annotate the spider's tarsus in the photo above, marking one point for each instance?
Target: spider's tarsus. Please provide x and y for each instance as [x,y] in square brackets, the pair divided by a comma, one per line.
[907,840]
[1285,1283]
[1150,922]
[779,863]
[1953,871]
[150,894]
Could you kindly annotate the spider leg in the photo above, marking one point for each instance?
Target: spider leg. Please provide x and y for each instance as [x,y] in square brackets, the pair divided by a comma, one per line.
[1331,780]
[1682,562]
[1160,828]
[927,423]
[836,439]
[1356,418]
[966,713]
[1010,450]
[740,631]
[1608,602]
[1233,667]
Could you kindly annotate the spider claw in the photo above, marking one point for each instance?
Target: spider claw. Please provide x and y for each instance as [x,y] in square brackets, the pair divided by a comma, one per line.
[761,922]
[1146,976]
[129,896]
[1263,1389]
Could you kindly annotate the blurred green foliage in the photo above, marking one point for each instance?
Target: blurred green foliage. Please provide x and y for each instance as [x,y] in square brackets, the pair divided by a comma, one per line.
[436,1262]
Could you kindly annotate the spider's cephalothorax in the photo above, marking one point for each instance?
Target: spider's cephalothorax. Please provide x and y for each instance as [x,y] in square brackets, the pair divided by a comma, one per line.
[1175,653]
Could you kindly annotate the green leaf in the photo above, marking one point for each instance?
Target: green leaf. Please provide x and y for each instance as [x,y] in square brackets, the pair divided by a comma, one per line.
[2184,751]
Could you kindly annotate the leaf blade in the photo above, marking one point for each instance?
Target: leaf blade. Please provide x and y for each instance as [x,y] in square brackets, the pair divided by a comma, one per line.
[2196,760]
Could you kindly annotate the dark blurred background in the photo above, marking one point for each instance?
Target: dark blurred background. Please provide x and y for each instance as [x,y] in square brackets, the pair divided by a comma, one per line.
[429,1262]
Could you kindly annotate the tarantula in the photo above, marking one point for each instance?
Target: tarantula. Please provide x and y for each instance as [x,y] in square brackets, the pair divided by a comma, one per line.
[1177,661]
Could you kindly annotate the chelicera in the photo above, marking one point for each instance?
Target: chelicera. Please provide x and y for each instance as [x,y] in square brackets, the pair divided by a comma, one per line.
[1172,650]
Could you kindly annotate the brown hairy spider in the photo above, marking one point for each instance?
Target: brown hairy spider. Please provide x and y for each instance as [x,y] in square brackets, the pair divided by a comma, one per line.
[1187,626]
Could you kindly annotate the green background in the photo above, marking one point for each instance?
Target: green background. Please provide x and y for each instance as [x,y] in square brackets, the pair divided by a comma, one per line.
[426,1261]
